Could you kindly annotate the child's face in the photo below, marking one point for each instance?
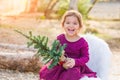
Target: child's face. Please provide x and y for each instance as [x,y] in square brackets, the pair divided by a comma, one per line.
[71,26]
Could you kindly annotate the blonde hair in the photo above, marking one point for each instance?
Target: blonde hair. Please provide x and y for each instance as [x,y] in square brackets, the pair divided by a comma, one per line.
[73,13]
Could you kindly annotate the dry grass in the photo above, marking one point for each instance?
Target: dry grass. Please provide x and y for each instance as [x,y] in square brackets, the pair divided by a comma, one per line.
[15,75]
[51,29]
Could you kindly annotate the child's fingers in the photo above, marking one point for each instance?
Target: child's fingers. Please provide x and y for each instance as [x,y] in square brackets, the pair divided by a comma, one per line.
[65,66]
[62,58]
[70,62]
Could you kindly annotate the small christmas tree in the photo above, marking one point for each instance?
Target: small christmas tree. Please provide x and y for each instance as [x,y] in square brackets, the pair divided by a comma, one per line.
[40,43]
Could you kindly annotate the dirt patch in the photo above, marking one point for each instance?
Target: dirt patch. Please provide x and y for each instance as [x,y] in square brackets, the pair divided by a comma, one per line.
[51,28]
[6,75]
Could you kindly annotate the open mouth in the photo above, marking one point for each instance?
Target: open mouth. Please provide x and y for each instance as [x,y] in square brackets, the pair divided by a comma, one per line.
[71,31]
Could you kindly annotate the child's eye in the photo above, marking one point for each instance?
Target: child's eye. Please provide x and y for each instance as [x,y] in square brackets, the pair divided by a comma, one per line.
[67,22]
[75,23]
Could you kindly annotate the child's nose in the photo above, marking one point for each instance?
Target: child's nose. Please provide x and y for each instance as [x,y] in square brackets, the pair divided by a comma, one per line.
[71,25]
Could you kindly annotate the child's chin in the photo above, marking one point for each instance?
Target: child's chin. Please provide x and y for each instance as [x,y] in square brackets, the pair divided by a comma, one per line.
[71,34]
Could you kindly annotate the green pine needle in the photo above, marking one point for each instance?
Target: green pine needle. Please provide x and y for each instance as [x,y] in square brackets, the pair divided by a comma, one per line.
[40,43]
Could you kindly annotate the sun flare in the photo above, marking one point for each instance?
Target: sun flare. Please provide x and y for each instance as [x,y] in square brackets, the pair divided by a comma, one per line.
[12,7]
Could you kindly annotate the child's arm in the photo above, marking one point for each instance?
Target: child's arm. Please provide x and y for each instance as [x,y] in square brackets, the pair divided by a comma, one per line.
[84,55]
[82,60]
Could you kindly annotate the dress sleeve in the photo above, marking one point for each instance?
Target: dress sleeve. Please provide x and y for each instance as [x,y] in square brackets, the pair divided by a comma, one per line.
[60,38]
[84,55]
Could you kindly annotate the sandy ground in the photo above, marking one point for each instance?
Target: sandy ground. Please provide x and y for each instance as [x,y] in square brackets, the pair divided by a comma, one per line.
[8,36]
[107,9]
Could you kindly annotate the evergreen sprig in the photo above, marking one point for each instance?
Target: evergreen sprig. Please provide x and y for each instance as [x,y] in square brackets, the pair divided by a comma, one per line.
[49,54]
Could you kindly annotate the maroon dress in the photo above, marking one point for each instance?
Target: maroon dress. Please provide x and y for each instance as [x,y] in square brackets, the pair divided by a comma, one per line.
[79,52]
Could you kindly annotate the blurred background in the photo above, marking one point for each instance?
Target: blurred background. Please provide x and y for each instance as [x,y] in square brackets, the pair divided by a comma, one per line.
[42,17]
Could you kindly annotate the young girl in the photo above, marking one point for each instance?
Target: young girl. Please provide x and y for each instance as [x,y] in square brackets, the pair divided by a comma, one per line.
[75,54]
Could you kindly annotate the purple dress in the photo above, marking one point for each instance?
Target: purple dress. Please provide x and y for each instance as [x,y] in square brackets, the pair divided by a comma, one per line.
[79,52]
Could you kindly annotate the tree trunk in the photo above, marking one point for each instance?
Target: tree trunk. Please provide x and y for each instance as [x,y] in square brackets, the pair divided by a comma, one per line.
[23,61]
[94,2]
[73,4]
[50,7]
[31,6]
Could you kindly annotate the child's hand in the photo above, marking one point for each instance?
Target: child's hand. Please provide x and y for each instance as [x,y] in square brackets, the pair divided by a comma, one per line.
[62,58]
[69,63]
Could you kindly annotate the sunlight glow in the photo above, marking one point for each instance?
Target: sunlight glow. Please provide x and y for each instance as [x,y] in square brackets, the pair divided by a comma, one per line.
[12,7]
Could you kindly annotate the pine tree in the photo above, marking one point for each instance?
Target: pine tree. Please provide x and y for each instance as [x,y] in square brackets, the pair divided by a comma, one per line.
[40,43]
